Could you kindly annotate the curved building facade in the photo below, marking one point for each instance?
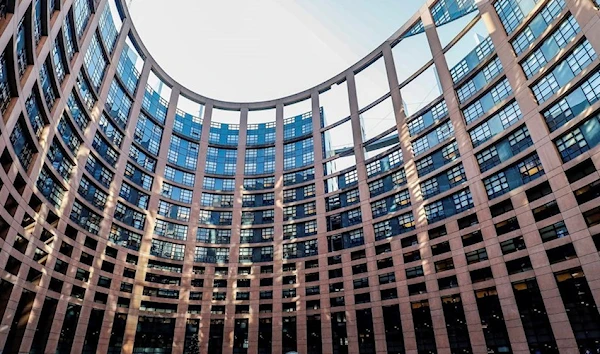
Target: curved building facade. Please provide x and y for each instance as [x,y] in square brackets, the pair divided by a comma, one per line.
[140,217]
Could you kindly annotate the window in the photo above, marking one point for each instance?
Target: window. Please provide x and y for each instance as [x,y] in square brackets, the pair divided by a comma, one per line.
[414,272]
[476,256]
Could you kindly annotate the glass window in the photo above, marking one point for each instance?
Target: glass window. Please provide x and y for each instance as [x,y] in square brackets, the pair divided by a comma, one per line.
[118,104]
[148,134]
[183,153]
[95,62]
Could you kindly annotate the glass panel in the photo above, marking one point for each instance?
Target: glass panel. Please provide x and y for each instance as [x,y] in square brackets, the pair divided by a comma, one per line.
[421,91]
[335,104]
[420,54]
[371,83]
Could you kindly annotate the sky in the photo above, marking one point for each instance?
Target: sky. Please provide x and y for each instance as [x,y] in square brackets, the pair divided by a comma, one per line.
[259,50]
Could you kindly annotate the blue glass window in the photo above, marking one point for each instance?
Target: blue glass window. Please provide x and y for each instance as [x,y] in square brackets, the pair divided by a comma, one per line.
[448,206]
[579,140]
[295,177]
[37,21]
[496,124]
[107,28]
[572,104]
[513,176]
[297,126]
[221,161]
[437,159]
[564,72]
[298,154]
[139,177]
[103,148]
[432,139]
[5,95]
[98,171]
[178,176]
[81,13]
[22,144]
[253,184]
[258,217]
[211,255]
[344,219]
[125,238]
[443,182]
[110,130]
[92,193]
[134,196]
[394,227]
[259,161]
[126,69]
[224,134]
[69,134]
[142,159]
[256,235]
[258,134]
[59,63]
[183,153]
[390,204]
[77,112]
[345,240]
[95,62]
[167,250]
[538,25]
[427,119]
[504,149]
[219,184]
[177,193]
[59,160]
[445,11]
[253,200]
[512,12]
[488,101]
[471,60]
[86,93]
[171,230]
[84,217]
[300,249]
[256,254]
[479,80]
[299,229]
[37,120]
[188,125]
[415,29]
[344,180]
[213,217]
[556,41]
[154,104]
[129,216]
[118,104]
[387,183]
[50,188]
[69,37]
[299,211]
[385,163]
[148,134]
[22,61]
[48,88]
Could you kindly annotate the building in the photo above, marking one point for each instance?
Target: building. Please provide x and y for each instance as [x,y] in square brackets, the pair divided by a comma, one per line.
[133,223]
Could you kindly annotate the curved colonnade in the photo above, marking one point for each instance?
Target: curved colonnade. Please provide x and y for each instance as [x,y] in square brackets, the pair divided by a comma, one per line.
[468,224]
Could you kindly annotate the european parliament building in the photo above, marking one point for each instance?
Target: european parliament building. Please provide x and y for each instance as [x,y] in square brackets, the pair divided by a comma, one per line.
[134,218]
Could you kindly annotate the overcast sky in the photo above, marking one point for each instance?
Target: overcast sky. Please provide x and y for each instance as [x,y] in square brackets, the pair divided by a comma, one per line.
[265,49]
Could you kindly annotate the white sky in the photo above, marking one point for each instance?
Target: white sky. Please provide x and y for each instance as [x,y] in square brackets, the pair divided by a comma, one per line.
[264,49]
